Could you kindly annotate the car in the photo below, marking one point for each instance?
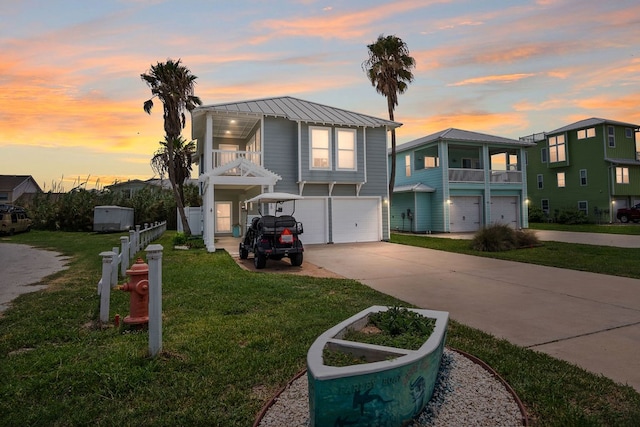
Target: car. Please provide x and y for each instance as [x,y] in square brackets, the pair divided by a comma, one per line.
[629,214]
[273,236]
[14,219]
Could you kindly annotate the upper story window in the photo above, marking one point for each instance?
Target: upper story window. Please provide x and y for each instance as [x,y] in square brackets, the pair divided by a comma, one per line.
[346,149]
[431,162]
[557,149]
[586,133]
[543,155]
[540,181]
[320,147]
[407,165]
[611,136]
[561,180]
[622,175]
[583,177]
[628,132]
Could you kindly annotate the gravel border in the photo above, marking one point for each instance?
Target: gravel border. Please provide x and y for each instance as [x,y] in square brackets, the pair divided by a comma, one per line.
[467,393]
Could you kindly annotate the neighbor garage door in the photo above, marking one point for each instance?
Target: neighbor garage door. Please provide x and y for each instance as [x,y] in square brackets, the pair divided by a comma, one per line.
[356,220]
[464,213]
[312,213]
[504,210]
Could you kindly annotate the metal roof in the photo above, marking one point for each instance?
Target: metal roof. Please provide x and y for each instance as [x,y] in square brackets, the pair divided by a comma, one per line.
[294,109]
[594,121]
[459,135]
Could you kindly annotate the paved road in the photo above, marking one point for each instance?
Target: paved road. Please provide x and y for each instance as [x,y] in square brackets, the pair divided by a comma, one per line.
[22,268]
[588,319]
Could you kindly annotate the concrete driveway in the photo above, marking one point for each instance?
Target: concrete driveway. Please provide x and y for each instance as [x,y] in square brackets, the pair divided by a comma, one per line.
[22,268]
[591,320]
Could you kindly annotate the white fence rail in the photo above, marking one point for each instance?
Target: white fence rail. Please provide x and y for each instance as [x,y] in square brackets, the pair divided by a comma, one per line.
[116,261]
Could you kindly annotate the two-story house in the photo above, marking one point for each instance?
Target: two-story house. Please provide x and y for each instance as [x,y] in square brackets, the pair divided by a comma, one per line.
[336,159]
[459,181]
[591,166]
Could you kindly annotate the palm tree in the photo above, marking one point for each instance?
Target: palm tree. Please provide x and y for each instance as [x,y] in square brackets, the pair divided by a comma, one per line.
[389,70]
[182,152]
[173,84]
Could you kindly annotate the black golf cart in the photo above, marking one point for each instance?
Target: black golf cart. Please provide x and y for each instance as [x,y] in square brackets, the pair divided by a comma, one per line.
[273,236]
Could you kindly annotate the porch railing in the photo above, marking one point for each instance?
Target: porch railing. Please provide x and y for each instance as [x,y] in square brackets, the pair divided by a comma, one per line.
[222,157]
[477,175]
[506,176]
[466,175]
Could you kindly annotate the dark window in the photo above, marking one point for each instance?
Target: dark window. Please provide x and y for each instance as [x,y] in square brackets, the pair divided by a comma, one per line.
[611,135]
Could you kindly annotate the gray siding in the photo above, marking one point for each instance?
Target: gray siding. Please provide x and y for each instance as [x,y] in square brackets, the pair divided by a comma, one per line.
[377,180]
[280,147]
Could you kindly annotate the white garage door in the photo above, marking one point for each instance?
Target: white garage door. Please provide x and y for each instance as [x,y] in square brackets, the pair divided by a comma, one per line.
[312,213]
[504,210]
[464,214]
[356,220]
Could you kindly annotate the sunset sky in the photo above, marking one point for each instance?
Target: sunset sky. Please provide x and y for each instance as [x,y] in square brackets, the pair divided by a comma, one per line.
[71,95]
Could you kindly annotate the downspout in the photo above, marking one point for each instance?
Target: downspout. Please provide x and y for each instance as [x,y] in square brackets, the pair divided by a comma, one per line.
[444,152]
[300,187]
[209,220]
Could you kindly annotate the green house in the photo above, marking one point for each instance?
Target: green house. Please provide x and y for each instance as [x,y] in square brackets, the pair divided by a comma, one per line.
[459,181]
[592,166]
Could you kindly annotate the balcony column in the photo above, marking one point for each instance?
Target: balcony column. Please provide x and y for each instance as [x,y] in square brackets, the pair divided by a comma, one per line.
[208,233]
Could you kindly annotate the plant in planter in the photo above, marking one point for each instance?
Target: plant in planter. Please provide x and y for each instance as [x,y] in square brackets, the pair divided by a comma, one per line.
[376,368]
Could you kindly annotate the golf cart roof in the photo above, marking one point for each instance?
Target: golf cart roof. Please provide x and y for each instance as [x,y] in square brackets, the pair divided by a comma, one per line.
[274,198]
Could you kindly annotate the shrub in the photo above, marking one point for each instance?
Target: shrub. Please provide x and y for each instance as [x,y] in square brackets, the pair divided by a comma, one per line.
[571,216]
[536,214]
[501,237]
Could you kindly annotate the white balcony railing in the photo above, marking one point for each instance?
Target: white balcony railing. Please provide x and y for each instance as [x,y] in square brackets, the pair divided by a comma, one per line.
[223,157]
[466,175]
[506,176]
[477,175]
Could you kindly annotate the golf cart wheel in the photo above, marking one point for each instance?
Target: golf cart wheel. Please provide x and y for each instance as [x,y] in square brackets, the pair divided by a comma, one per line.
[259,260]
[296,259]
[244,253]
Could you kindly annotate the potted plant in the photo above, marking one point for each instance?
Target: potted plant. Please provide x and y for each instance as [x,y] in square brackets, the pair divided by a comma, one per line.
[357,377]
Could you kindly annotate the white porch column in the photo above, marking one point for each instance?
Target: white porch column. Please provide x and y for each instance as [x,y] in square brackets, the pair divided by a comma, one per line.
[208,233]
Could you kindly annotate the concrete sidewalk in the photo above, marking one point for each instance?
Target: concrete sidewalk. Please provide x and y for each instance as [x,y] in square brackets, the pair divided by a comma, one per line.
[588,319]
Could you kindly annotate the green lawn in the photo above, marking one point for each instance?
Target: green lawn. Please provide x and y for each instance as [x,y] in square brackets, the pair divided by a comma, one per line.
[232,338]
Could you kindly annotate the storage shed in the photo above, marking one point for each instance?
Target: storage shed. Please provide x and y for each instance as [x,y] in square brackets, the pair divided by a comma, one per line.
[112,218]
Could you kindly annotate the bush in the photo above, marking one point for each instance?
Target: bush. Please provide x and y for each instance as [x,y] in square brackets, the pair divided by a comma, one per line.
[536,214]
[501,237]
[571,216]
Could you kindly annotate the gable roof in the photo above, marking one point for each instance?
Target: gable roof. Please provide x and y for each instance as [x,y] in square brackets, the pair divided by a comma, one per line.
[10,182]
[459,135]
[593,121]
[296,109]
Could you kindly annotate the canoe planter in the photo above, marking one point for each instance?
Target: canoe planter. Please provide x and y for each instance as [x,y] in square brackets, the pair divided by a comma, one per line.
[389,388]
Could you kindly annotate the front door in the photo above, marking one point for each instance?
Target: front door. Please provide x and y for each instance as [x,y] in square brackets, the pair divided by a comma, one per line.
[223,217]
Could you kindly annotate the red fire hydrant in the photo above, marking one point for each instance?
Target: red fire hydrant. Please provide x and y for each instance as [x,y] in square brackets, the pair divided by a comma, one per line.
[138,287]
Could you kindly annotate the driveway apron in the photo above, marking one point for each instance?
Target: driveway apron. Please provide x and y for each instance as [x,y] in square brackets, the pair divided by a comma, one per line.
[591,320]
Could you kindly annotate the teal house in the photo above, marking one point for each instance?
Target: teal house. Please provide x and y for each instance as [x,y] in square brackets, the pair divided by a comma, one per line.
[459,181]
[592,166]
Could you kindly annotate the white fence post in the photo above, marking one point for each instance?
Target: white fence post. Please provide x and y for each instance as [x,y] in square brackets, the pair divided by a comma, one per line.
[104,286]
[124,254]
[154,260]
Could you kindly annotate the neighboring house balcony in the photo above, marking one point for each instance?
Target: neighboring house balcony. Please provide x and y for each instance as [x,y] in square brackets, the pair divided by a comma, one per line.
[222,158]
[478,176]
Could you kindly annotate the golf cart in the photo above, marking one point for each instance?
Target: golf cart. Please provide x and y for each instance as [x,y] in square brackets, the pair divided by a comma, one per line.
[273,236]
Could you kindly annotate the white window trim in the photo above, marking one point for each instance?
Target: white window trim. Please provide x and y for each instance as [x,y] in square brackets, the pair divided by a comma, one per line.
[586,203]
[611,137]
[329,156]
[586,179]
[407,165]
[540,181]
[355,149]
[624,176]
[563,181]
[556,148]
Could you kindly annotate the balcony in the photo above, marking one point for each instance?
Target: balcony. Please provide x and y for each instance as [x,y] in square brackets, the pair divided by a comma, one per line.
[477,176]
[223,157]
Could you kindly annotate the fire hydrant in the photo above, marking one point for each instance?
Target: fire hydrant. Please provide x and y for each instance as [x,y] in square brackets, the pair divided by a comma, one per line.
[138,287]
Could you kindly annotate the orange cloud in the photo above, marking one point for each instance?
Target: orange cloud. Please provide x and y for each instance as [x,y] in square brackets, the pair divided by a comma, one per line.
[504,78]
[341,24]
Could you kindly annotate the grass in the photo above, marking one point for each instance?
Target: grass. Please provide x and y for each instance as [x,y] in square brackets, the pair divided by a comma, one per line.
[231,339]
[615,228]
[595,259]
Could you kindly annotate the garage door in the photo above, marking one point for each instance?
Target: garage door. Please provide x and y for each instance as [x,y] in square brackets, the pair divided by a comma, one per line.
[464,214]
[504,210]
[312,213]
[356,220]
